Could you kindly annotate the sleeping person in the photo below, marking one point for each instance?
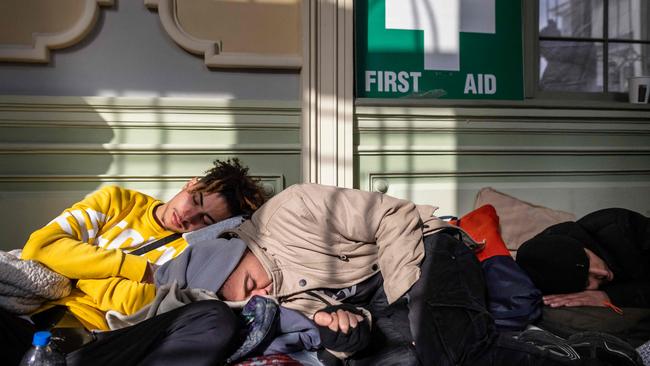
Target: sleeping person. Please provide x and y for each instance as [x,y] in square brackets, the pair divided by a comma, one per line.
[92,243]
[603,259]
[382,278]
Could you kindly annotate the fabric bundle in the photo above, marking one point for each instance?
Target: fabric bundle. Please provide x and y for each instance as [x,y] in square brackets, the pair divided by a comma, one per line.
[25,284]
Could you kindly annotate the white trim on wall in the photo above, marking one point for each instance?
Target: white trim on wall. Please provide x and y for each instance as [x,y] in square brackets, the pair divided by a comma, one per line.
[328,94]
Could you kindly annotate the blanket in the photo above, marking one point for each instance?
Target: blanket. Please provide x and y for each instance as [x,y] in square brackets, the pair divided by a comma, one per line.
[268,327]
[25,284]
[168,297]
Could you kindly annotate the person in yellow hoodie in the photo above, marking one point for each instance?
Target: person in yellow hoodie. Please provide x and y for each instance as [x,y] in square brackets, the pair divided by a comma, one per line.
[95,242]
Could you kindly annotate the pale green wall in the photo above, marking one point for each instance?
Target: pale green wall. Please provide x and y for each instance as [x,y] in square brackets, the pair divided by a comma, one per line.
[575,157]
[55,150]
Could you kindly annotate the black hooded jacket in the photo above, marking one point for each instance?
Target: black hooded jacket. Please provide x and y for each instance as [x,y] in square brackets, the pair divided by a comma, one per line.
[622,239]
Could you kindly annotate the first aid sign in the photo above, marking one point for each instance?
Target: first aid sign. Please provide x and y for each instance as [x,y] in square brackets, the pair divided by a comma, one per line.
[450,49]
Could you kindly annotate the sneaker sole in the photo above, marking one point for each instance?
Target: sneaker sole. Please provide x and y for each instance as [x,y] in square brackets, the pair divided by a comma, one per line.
[605,347]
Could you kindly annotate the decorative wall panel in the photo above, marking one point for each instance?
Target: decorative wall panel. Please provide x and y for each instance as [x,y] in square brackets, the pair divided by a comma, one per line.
[236,34]
[29,29]
[576,160]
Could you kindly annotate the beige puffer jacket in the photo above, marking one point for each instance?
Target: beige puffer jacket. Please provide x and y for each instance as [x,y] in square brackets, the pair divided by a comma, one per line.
[312,236]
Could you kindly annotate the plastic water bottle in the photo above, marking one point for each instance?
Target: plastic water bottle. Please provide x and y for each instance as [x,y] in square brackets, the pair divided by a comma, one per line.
[42,353]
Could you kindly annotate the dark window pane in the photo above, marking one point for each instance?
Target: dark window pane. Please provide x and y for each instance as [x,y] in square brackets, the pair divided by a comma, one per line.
[628,19]
[627,60]
[571,66]
[571,18]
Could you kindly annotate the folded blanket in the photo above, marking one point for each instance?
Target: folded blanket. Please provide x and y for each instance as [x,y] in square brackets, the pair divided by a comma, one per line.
[25,284]
[212,231]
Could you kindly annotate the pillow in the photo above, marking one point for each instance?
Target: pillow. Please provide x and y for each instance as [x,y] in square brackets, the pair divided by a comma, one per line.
[482,224]
[519,220]
[512,298]
[213,231]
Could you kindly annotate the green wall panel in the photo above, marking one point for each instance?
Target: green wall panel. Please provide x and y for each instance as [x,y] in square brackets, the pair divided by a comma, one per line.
[573,159]
[54,151]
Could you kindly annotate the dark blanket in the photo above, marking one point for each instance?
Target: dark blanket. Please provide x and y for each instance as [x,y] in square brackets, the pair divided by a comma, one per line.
[271,329]
[632,326]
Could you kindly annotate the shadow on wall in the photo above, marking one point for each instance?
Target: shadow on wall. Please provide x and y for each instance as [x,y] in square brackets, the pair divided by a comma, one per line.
[56,150]
[52,154]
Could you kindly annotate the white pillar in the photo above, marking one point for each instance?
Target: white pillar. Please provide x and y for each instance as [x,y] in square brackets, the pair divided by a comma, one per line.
[327,89]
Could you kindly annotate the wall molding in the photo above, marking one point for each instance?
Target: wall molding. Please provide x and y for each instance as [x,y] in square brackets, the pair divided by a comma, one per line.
[465,126]
[28,102]
[271,183]
[164,125]
[44,42]
[158,113]
[154,149]
[508,173]
[501,121]
[112,177]
[501,150]
[181,149]
[566,103]
[211,50]
[509,119]
[380,181]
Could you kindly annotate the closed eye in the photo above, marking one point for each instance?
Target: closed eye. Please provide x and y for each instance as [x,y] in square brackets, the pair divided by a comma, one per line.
[249,286]
[197,199]
[208,220]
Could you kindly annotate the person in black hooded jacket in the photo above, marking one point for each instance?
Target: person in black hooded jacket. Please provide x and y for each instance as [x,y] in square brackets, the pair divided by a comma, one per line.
[603,259]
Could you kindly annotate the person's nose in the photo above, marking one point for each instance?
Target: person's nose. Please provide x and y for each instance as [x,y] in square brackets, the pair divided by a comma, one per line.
[190,216]
[599,273]
[260,292]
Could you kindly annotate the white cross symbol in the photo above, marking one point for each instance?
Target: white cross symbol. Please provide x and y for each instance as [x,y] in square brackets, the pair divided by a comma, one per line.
[441,21]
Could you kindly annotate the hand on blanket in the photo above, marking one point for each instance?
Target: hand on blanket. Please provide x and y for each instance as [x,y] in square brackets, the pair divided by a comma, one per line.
[342,328]
[584,298]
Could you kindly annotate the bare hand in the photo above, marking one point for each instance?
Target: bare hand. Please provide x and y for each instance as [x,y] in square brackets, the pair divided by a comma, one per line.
[148,273]
[584,298]
[341,320]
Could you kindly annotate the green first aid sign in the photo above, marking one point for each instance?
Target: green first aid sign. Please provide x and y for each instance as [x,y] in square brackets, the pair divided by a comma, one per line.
[448,49]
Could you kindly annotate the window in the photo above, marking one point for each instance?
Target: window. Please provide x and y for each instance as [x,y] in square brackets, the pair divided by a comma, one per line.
[592,45]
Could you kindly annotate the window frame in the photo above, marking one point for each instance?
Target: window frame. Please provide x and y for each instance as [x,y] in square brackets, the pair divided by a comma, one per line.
[531,37]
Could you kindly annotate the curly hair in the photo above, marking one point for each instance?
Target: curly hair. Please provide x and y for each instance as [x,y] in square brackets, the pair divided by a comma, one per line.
[229,178]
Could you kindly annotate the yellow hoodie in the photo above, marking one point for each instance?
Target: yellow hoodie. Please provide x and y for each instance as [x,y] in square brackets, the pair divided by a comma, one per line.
[86,243]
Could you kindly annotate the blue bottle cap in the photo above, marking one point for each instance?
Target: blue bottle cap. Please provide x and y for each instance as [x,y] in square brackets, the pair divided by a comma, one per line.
[41,338]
